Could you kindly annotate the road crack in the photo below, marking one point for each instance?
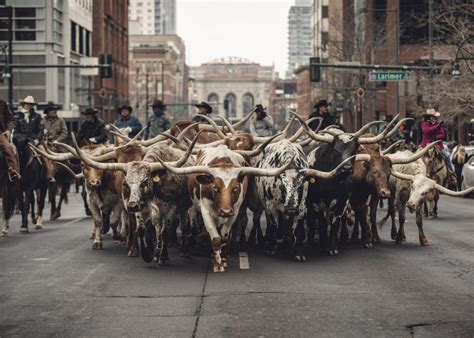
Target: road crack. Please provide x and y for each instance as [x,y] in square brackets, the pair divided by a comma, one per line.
[197,313]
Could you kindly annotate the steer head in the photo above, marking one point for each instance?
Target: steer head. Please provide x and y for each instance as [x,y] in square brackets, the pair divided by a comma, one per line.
[138,185]
[378,174]
[293,187]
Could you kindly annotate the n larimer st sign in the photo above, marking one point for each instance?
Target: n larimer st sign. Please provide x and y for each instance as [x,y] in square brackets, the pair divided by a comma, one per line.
[389,76]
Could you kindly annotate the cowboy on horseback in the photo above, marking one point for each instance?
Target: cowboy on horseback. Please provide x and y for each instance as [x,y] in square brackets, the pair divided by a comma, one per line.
[29,128]
[7,124]
[432,130]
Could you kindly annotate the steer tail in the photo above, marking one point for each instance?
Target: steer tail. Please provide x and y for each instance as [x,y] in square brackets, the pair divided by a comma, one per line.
[382,222]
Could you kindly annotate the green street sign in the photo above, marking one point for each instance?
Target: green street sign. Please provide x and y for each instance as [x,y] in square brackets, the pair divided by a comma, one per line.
[389,76]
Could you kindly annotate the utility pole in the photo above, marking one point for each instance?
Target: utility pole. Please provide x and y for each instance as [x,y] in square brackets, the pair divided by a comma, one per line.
[430,37]
[162,81]
[10,56]
[89,91]
[156,87]
[146,95]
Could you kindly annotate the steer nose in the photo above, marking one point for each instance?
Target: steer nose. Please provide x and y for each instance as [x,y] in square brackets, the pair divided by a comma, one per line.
[290,211]
[347,168]
[385,193]
[94,183]
[226,212]
[411,206]
[133,207]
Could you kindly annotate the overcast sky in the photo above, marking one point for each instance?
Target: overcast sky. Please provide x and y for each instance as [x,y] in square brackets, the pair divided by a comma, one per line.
[251,29]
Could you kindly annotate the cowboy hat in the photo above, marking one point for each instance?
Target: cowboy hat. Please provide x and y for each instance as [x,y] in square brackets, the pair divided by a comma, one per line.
[432,112]
[321,103]
[158,104]
[129,108]
[50,106]
[29,99]
[90,111]
[204,105]
[260,108]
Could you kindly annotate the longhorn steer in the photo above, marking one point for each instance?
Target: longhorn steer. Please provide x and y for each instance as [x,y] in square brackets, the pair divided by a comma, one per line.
[217,186]
[283,196]
[410,188]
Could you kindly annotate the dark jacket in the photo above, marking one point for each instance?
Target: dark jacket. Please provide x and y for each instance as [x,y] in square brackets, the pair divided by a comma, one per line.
[198,119]
[130,121]
[328,120]
[158,123]
[95,128]
[7,122]
[27,131]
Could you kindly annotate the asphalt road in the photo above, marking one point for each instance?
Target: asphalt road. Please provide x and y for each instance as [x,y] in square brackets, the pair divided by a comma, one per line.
[53,284]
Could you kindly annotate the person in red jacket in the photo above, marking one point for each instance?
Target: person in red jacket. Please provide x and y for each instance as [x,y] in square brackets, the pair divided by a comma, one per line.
[432,130]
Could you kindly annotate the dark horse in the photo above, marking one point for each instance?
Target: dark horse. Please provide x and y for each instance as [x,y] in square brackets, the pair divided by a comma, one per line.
[33,182]
[8,192]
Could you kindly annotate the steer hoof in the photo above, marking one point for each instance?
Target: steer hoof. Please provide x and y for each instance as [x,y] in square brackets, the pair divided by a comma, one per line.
[424,242]
[24,229]
[367,245]
[300,258]
[133,252]
[218,268]
[333,252]
[38,227]
[4,232]
[117,237]
[224,263]
[55,215]
[376,240]
[163,261]
[97,246]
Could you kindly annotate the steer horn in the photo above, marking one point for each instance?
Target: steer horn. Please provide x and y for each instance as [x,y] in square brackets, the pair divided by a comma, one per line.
[329,174]
[98,165]
[236,126]
[449,192]
[54,157]
[416,155]
[255,152]
[312,134]
[79,176]
[367,126]
[377,138]
[392,147]
[266,172]
[228,124]
[213,123]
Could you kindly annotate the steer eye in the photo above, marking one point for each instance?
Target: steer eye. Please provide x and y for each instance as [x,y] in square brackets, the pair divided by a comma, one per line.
[215,189]
[235,190]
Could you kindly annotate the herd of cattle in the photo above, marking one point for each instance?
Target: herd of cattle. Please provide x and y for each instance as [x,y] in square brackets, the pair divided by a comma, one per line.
[203,179]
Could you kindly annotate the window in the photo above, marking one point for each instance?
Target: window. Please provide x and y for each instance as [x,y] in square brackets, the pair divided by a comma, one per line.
[25,12]
[248,103]
[213,101]
[73,36]
[25,36]
[25,24]
[231,110]
[88,43]
[81,40]
[325,12]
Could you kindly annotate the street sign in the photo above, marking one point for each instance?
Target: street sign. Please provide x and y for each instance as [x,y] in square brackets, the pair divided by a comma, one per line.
[89,71]
[389,76]
[360,92]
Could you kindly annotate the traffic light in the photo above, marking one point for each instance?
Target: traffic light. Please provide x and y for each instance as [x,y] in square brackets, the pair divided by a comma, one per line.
[314,70]
[226,105]
[105,59]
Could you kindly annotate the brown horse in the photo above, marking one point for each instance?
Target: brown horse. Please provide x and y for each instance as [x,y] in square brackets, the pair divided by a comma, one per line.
[8,192]
[437,170]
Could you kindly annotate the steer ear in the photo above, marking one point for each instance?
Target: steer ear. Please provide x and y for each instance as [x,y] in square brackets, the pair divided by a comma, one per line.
[204,179]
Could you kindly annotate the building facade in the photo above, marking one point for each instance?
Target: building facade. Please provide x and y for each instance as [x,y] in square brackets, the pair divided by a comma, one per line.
[158,71]
[299,35]
[232,86]
[283,99]
[53,32]
[152,17]
[110,36]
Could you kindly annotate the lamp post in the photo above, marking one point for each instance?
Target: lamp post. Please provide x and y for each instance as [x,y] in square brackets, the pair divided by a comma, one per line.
[397,32]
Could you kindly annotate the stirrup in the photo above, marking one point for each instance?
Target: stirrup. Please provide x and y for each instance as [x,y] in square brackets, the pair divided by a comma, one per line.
[13,175]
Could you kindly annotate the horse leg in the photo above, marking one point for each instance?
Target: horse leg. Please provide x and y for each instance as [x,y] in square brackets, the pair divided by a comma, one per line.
[52,190]
[435,205]
[373,219]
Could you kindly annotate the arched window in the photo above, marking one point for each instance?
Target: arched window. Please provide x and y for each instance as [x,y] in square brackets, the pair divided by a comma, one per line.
[247,103]
[230,105]
[213,101]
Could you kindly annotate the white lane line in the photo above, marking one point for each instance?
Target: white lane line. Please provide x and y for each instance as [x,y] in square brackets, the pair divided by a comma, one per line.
[75,220]
[244,261]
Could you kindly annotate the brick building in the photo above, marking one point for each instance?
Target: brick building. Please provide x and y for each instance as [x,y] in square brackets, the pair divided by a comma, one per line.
[159,62]
[110,35]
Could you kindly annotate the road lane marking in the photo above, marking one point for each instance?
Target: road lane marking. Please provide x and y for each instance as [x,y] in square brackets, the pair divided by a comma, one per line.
[244,261]
[75,220]
[39,259]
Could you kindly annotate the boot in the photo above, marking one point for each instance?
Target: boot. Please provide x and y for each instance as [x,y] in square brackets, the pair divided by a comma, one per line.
[13,175]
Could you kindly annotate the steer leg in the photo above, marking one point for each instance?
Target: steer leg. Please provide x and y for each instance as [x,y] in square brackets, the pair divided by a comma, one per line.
[311,223]
[401,230]
[115,219]
[362,212]
[270,235]
[419,223]
[210,224]
[373,219]
[299,234]
[391,212]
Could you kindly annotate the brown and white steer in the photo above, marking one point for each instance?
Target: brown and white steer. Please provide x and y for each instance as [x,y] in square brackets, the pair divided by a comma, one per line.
[217,185]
